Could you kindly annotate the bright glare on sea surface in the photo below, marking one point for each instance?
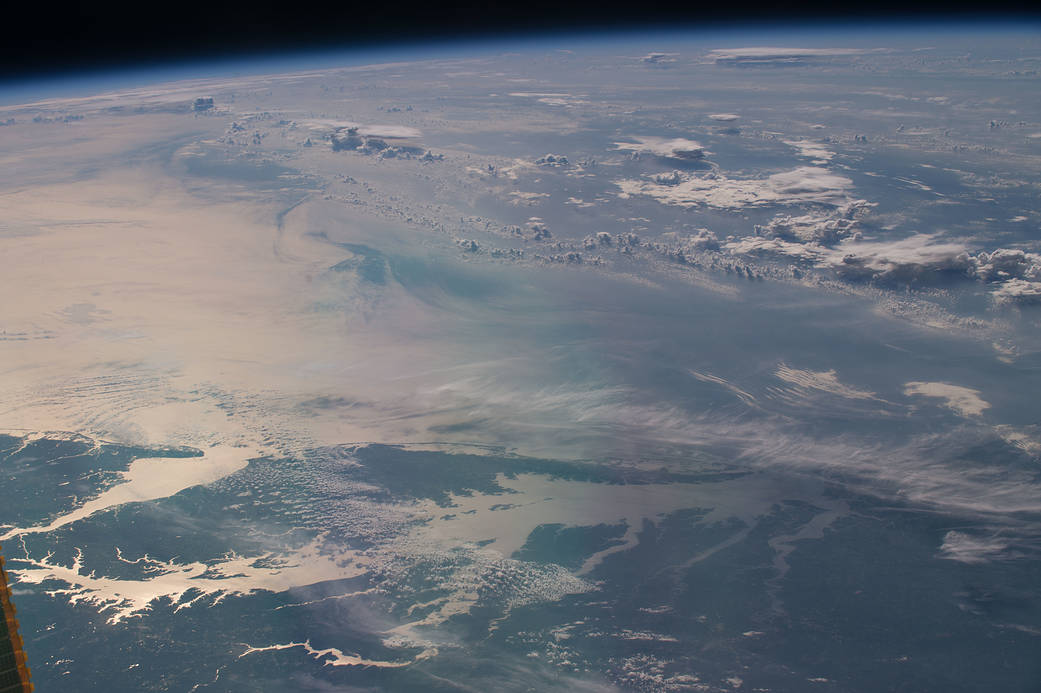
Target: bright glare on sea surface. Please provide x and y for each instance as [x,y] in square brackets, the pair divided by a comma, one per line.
[648,363]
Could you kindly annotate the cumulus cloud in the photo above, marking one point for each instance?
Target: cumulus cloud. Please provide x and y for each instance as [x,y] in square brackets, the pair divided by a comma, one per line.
[824,381]
[834,241]
[812,150]
[758,245]
[552,160]
[388,131]
[1016,273]
[677,148]
[806,184]
[965,548]
[822,229]
[1004,263]
[964,401]
[529,198]
[550,98]
[777,56]
[704,240]
[659,58]
[919,258]
[365,140]
[1018,291]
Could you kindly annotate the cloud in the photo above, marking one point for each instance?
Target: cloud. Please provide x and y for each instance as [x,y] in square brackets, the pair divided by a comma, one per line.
[552,160]
[1005,263]
[963,400]
[676,148]
[755,245]
[551,98]
[365,140]
[822,229]
[724,117]
[919,258]
[769,56]
[806,184]
[745,397]
[825,381]
[1018,291]
[835,241]
[965,548]
[387,131]
[812,150]
[527,198]
[659,58]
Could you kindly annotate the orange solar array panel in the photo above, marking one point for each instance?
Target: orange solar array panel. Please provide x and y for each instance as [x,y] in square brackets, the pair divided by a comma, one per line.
[14,672]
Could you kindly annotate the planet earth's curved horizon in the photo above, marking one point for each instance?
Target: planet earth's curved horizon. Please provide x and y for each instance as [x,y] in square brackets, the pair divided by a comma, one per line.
[672,362]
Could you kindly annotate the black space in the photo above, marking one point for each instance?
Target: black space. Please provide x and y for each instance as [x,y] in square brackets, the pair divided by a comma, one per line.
[53,38]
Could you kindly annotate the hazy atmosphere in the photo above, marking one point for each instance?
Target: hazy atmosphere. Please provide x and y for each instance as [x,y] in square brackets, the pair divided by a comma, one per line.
[633,362]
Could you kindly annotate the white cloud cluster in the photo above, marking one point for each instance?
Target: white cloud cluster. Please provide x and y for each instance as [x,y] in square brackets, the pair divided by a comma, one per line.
[964,401]
[806,184]
[366,141]
[676,148]
[771,55]
[551,98]
[758,245]
[1005,263]
[655,58]
[965,548]
[528,198]
[835,242]
[1018,291]
[1015,274]
[724,117]
[388,131]
[552,160]
[919,258]
[824,381]
[812,150]
[822,229]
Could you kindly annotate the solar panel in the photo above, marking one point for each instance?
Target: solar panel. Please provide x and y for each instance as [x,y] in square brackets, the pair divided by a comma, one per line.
[14,672]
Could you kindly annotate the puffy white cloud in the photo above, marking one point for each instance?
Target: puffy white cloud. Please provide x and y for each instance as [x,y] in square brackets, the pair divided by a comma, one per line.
[551,98]
[823,229]
[724,117]
[965,548]
[1018,291]
[601,239]
[771,55]
[552,160]
[671,178]
[917,258]
[812,150]
[1005,263]
[774,246]
[824,381]
[704,240]
[676,148]
[659,58]
[806,184]
[964,401]
[529,198]
[387,131]
[364,139]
